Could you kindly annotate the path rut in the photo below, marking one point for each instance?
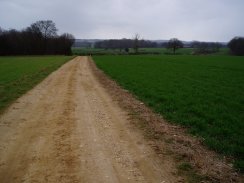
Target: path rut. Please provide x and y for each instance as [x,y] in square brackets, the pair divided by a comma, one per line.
[68,129]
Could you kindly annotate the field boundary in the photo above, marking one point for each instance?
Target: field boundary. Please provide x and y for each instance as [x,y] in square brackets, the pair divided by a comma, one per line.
[192,157]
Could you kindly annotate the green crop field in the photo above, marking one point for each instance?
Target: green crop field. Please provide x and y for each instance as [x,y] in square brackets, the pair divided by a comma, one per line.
[203,93]
[19,74]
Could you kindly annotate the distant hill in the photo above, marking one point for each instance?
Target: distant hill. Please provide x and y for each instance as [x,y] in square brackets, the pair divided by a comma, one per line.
[85,42]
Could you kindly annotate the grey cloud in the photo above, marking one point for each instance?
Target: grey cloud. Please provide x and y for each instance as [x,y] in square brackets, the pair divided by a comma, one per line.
[213,20]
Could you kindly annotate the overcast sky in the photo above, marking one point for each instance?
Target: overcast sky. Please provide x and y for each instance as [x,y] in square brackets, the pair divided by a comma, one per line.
[204,20]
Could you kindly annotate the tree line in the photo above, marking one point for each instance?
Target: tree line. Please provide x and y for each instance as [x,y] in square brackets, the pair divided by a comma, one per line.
[40,38]
[236,45]
[124,43]
[173,44]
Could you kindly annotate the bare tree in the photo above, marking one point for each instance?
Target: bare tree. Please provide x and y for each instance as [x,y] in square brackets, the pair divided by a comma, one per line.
[46,27]
[205,47]
[174,44]
[136,42]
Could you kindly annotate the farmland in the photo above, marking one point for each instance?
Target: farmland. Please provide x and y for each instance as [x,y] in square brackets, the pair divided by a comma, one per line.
[203,93]
[88,51]
[19,74]
[100,51]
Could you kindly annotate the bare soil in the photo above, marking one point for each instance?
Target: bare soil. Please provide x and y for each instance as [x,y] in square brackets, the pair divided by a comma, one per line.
[69,129]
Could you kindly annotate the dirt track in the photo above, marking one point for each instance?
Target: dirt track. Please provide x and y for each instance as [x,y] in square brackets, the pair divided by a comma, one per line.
[68,129]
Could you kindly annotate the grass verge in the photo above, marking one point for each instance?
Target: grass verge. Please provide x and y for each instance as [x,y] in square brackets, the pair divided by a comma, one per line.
[20,74]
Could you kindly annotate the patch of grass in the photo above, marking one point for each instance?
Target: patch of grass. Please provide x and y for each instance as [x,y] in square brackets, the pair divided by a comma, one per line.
[204,93]
[185,166]
[20,74]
